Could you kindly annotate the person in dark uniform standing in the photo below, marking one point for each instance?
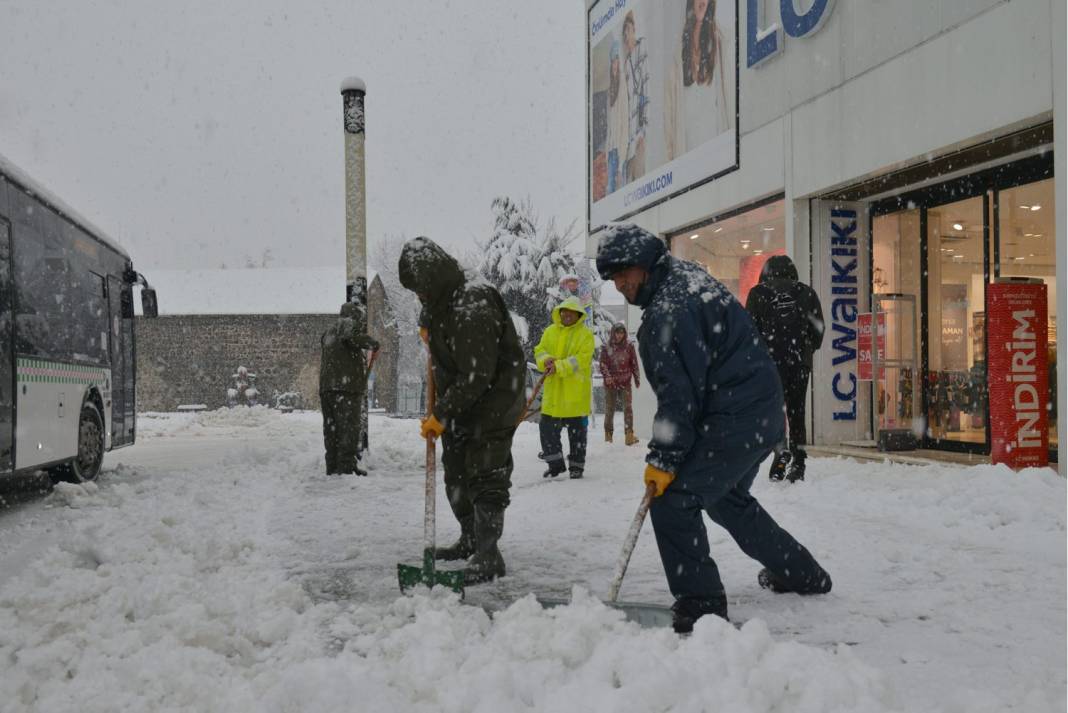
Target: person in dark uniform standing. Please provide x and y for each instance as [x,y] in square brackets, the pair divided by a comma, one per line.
[788,314]
[718,415]
[479,381]
[343,387]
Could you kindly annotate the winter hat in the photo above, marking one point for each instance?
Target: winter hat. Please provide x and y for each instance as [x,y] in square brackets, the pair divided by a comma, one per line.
[625,245]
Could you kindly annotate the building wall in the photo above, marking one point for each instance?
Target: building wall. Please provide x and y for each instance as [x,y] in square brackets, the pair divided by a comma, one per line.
[189,359]
[880,86]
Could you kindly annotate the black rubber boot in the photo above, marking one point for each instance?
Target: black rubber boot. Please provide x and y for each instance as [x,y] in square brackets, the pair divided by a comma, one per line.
[575,472]
[778,466]
[486,564]
[688,610]
[463,547]
[820,584]
[552,472]
[796,471]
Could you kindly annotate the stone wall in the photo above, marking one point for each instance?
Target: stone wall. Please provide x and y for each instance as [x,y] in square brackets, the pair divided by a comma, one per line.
[189,359]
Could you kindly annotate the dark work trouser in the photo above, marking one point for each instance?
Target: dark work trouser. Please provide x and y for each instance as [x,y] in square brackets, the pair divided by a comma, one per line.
[478,470]
[341,429]
[552,448]
[618,399]
[720,487]
[795,391]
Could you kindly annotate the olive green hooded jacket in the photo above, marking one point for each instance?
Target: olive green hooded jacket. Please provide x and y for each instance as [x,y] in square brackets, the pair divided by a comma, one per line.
[342,366]
[479,367]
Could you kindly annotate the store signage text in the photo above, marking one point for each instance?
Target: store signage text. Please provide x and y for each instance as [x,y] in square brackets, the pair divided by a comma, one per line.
[1019,374]
[766,41]
[844,286]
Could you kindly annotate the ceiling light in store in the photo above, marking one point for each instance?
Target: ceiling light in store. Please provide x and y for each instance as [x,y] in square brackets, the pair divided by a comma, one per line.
[758,252]
[745,244]
[767,228]
[1019,259]
[1029,235]
[1026,207]
[958,257]
[958,226]
[1036,207]
[695,236]
[718,229]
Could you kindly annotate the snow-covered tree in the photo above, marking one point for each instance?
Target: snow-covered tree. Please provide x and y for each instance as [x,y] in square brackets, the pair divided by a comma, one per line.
[383,256]
[526,261]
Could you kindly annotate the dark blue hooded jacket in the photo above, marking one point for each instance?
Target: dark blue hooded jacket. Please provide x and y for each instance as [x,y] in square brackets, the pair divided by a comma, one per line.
[717,389]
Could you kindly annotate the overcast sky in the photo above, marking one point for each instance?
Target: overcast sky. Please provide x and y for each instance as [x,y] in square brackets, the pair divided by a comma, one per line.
[207,133]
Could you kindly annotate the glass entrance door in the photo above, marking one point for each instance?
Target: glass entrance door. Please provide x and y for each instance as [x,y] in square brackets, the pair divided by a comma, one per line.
[956,294]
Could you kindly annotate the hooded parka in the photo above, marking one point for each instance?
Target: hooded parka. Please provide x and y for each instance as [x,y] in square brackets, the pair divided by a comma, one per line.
[479,367]
[567,391]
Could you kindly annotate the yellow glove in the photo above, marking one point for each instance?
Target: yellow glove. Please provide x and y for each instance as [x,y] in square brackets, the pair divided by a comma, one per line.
[431,427]
[424,334]
[660,478]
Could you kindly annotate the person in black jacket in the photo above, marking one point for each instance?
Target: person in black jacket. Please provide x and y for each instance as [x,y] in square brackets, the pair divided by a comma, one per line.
[479,381]
[788,314]
[718,415]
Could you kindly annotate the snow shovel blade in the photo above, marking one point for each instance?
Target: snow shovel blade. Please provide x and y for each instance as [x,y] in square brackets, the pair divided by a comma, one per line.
[647,616]
[411,576]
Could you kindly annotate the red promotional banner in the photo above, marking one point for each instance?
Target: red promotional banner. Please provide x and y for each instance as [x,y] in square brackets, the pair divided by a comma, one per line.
[1017,341]
[864,353]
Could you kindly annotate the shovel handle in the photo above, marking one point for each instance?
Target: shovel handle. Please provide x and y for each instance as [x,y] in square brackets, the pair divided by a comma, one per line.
[431,466]
[533,395]
[632,539]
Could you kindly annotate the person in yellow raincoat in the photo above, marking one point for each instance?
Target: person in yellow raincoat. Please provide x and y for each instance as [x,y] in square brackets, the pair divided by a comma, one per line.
[565,354]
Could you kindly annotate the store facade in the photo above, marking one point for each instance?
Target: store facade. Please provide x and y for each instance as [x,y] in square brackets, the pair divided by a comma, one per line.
[903,163]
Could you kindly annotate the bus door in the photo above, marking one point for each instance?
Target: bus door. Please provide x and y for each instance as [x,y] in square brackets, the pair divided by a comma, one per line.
[7,358]
[119,365]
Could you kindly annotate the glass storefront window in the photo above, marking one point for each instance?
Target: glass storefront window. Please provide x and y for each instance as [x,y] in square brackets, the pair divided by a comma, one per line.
[734,249]
[1026,236]
[956,353]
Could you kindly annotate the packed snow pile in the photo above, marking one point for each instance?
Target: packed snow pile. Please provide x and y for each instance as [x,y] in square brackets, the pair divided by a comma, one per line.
[214,567]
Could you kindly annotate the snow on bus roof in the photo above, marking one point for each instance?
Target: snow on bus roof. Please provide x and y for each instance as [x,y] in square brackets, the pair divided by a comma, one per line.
[272,290]
[23,179]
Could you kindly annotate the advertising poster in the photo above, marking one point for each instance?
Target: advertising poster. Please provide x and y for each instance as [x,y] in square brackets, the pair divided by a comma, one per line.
[663,101]
[1019,374]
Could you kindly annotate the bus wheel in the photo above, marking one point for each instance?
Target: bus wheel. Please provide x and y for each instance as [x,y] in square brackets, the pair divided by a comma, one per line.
[90,449]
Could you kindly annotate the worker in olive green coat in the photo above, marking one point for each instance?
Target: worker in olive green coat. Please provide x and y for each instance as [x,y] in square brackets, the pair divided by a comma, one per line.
[343,387]
[479,380]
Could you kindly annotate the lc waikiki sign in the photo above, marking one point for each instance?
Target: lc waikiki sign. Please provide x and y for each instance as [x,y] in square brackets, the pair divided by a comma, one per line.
[764,42]
[1017,343]
[844,263]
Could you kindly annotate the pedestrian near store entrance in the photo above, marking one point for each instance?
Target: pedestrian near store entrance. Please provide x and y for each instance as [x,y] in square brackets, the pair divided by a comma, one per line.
[788,314]
[718,414]
[565,354]
[479,378]
[619,366]
[343,387]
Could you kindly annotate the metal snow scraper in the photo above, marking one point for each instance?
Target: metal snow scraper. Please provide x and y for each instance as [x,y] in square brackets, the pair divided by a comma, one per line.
[646,615]
[410,575]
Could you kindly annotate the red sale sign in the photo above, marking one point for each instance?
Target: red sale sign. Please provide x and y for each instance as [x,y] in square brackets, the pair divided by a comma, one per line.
[1017,364]
[864,348]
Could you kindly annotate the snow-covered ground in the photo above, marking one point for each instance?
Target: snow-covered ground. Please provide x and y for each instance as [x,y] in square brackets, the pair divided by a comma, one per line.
[214,567]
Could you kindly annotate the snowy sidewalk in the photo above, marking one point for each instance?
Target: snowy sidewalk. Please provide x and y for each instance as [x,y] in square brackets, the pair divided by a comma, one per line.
[214,568]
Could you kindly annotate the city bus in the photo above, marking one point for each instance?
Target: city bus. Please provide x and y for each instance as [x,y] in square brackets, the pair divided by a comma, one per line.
[67,355]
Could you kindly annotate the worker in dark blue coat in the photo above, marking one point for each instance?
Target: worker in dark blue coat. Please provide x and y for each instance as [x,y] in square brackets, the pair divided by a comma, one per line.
[718,416]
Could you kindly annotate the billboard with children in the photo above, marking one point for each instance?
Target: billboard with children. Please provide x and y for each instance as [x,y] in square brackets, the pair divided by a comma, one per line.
[663,101]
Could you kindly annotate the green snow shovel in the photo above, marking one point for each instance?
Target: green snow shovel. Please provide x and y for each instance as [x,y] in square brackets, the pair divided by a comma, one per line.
[411,575]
